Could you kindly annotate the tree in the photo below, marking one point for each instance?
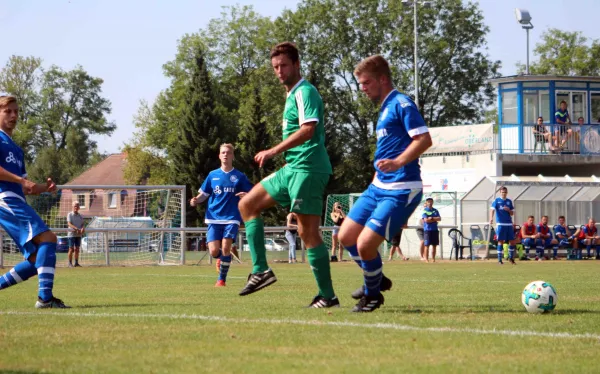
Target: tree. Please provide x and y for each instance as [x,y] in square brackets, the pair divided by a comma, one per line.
[334,35]
[196,153]
[60,110]
[565,53]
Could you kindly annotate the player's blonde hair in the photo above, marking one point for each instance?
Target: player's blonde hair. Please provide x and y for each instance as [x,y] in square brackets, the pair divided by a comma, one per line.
[7,100]
[228,146]
[375,65]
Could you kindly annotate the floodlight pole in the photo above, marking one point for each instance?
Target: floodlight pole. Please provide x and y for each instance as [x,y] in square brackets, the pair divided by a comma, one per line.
[416,55]
[527,66]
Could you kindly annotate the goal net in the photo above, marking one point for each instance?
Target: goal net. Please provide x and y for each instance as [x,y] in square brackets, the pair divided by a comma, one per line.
[124,225]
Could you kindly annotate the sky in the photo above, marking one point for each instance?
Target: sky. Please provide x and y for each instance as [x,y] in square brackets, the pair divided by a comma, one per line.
[126,42]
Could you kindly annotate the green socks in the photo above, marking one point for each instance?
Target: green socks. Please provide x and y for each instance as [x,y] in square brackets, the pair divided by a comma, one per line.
[255,233]
[318,258]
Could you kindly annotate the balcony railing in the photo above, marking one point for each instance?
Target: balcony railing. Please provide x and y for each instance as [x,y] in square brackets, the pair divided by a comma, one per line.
[548,139]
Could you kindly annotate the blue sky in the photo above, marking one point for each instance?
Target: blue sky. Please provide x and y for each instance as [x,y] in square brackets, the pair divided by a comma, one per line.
[126,42]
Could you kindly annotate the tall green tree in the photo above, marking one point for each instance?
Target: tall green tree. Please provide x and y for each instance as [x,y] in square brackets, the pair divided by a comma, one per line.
[196,152]
[60,111]
[565,53]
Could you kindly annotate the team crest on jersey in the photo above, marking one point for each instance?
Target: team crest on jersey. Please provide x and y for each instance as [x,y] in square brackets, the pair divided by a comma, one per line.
[233,178]
[12,159]
[217,190]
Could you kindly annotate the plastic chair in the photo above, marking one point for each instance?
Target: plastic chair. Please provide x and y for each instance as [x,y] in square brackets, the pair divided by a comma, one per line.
[457,244]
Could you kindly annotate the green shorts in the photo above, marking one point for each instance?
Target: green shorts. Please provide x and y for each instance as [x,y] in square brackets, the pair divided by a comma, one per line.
[301,191]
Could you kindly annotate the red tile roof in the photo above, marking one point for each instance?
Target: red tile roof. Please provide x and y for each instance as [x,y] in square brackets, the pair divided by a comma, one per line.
[106,172]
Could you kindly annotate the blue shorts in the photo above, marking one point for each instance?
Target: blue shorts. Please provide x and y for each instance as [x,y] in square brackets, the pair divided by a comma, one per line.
[21,223]
[528,242]
[218,231]
[385,211]
[505,233]
[547,242]
[74,241]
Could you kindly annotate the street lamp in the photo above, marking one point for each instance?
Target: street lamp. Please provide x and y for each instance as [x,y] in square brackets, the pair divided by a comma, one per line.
[524,18]
[414,3]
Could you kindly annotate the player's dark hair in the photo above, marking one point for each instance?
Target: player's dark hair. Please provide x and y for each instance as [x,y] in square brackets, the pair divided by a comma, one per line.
[286,48]
[503,188]
[540,117]
[528,217]
[544,216]
[559,217]
[563,102]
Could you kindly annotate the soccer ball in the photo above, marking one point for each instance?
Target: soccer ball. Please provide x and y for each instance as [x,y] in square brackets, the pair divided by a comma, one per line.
[539,297]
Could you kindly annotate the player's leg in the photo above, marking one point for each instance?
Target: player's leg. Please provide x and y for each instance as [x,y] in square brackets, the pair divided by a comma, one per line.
[45,263]
[251,206]
[512,248]
[435,241]
[391,214]
[230,232]
[77,250]
[554,245]
[539,249]
[70,252]
[597,248]
[214,235]
[500,248]
[527,244]
[267,193]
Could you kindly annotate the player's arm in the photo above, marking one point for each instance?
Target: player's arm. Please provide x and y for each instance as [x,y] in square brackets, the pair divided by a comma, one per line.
[202,194]
[524,232]
[420,143]
[492,212]
[301,136]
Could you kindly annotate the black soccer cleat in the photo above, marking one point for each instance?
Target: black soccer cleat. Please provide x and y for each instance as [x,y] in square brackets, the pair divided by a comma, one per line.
[52,303]
[512,261]
[321,302]
[386,285]
[258,281]
[367,304]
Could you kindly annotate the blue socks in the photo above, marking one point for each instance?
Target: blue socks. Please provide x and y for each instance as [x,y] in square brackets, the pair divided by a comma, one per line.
[353,250]
[45,264]
[555,251]
[21,272]
[373,272]
[224,268]
[511,252]
[500,250]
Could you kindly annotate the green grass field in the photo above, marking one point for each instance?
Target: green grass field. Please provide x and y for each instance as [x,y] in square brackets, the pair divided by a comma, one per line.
[442,317]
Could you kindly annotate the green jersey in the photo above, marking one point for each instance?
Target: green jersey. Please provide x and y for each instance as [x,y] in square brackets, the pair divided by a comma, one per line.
[304,104]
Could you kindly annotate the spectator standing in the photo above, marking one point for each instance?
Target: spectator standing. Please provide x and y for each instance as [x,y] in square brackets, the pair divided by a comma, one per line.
[291,234]
[337,216]
[76,231]
[431,217]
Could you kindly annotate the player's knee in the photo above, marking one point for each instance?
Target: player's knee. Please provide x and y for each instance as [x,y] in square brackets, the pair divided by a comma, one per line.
[215,252]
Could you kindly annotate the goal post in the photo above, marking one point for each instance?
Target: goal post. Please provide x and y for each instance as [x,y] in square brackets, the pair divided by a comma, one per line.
[124,225]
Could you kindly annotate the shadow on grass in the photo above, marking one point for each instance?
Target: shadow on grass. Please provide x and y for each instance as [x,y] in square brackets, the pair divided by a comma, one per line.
[476,310]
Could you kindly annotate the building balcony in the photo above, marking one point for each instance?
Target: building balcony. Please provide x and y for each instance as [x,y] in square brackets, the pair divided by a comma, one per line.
[548,139]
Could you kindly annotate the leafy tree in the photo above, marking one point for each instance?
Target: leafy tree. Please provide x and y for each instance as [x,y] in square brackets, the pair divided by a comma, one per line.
[195,156]
[565,53]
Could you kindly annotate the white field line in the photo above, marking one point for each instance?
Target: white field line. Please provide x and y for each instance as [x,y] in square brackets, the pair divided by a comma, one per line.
[388,326]
[358,277]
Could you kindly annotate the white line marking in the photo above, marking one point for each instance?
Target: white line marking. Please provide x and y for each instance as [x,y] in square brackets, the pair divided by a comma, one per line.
[389,326]
[174,275]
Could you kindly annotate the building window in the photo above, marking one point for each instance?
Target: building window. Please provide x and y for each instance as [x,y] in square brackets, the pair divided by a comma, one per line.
[81,200]
[595,102]
[112,200]
[509,107]
[536,103]
[576,104]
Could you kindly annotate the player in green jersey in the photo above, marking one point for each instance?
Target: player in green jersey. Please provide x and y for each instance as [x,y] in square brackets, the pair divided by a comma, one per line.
[299,185]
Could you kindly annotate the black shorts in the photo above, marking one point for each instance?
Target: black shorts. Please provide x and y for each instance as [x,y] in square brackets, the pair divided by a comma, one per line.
[420,234]
[432,238]
[396,239]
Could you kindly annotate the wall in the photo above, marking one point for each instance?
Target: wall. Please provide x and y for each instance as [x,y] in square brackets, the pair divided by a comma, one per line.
[457,173]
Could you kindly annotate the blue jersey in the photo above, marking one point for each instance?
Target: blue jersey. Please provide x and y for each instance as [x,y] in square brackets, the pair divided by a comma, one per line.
[430,213]
[561,115]
[13,160]
[503,217]
[560,230]
[399,120]
[222,188]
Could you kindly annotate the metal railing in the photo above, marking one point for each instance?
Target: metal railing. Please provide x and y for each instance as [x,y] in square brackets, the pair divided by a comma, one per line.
[548,139]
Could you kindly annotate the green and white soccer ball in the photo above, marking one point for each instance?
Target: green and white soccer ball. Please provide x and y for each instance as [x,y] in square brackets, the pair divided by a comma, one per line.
[539,297]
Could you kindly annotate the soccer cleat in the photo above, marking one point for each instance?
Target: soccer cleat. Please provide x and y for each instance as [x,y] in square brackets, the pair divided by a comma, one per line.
[334,259]
[500,262]
[386,285]
[218,265]
[77,265]
[321,302]
[220,283]
[52,303]
[258,281]
[367,304]
[512,261]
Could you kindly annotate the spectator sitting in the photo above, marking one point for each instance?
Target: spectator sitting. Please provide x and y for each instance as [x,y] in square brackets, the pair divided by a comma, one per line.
[431,217]
[588,236]
[528,236]
[545,240]
[541,133]
[563,235]
[563,132]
